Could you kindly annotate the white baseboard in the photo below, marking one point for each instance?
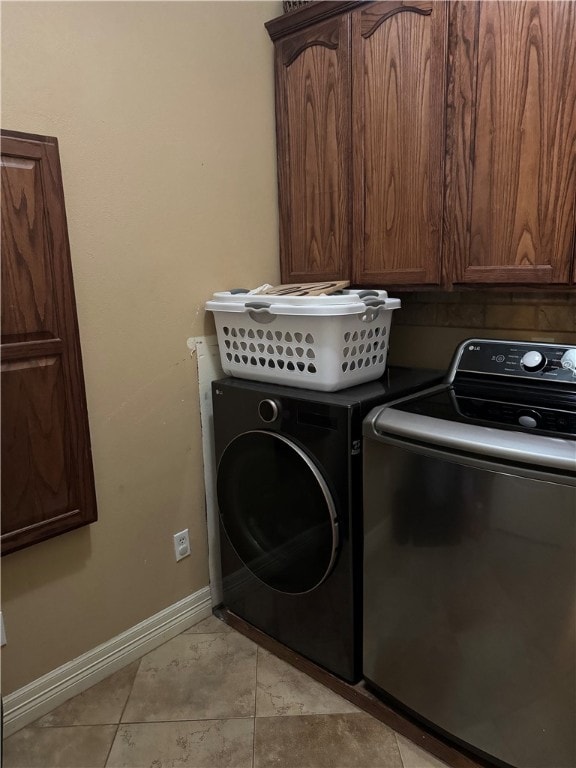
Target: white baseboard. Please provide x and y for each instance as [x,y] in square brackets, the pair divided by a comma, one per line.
[49,691]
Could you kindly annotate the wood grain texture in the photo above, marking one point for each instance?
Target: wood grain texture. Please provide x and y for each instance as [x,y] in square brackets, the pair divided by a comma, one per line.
[27,286]
[512,155]
[399,65]
[459,118]
[313,133]
[47,477]
[327,35]
[38,470]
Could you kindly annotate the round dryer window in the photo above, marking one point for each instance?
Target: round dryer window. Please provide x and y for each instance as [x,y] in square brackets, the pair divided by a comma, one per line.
[277,511]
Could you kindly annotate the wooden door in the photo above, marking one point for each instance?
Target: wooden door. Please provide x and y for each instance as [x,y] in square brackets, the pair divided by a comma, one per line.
[511,197]
[313,136]
[399,73]
[47,478]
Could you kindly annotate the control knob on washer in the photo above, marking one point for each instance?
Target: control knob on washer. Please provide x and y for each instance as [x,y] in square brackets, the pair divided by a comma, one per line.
[533,361]
[530,419]
[268,410]
[568,360]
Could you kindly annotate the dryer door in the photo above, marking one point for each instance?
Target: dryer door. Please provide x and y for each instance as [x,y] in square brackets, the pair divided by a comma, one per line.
[277,511]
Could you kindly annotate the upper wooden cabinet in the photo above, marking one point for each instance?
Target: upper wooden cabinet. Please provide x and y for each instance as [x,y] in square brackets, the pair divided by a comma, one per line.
[511,184]
[398,117]
[47,478]
[313,133]
[360,128]
[427,143]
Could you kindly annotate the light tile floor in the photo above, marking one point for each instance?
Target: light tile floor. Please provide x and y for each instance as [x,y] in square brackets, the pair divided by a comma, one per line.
[210,698]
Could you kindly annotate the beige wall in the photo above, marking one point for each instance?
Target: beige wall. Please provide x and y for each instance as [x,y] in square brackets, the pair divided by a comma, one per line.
[165,117]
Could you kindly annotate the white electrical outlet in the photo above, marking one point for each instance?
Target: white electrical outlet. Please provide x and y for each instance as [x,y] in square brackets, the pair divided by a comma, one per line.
[181,544]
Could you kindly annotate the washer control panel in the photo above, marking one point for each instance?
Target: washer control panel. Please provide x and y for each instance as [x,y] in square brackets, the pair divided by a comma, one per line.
[524,360]
[510,414]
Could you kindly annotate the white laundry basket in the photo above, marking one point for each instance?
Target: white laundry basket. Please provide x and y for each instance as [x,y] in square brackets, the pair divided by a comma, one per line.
[317,342]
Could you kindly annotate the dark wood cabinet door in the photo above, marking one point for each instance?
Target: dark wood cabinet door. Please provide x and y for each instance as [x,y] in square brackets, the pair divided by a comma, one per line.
[47,476]
[399,73]
[511,195]
[313,135]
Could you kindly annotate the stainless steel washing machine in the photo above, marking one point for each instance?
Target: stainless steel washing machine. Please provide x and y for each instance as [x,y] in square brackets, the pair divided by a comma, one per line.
[470,553]
[289,488]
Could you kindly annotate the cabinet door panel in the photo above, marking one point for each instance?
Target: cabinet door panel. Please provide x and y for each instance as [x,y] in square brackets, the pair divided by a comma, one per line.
[28,310]
[399,65]
[313,131]
[39,474]
[522,143]
[47,476]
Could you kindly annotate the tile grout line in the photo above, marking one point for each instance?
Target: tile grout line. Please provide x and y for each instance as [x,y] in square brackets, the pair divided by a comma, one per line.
[255,705]
[179,720]
[398,748]
[122,713]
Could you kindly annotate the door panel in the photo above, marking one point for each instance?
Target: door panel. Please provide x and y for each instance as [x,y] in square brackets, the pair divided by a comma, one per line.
[515,98]
[40,481]
[398,106]
[28,310]
[47,476]
[312,93]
